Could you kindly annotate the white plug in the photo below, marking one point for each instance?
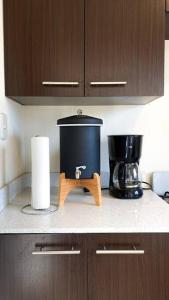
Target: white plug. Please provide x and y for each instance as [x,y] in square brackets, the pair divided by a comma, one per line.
[3,126]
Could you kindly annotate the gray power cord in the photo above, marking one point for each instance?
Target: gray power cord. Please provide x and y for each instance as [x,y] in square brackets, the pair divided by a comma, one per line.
[28,210]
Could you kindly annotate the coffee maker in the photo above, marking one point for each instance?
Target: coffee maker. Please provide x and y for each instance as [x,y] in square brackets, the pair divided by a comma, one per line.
[124,155]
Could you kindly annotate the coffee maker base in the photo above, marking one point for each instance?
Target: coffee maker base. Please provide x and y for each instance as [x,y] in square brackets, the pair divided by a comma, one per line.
[134,193]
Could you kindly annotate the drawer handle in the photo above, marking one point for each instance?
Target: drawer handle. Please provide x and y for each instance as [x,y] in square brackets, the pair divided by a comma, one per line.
[108,83]
[60,83]
[56,252]
[134,250]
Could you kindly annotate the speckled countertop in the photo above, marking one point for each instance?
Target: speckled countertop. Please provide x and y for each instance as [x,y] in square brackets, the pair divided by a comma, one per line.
[80,215]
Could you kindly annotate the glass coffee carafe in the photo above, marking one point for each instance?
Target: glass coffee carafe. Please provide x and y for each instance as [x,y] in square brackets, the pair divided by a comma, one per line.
[126,176]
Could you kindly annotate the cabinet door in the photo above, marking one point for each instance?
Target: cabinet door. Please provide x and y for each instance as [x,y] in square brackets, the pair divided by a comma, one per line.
[124,47]
[45,275]
[44,47]
[127,273]
[167,5]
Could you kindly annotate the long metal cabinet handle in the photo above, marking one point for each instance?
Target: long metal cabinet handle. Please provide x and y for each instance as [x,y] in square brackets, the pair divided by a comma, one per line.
[125,251]
[97,83]
[56,252]
[61,83]
[74,252]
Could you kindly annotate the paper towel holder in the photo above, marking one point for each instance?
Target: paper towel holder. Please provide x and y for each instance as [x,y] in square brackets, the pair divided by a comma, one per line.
[40,198]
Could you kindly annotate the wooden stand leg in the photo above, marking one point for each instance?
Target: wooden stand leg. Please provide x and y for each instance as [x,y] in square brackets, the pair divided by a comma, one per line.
[64,189]
[93,185]
[95,189]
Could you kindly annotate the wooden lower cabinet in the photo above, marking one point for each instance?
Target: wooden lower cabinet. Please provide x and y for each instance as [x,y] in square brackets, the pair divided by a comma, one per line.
[24,276]
[108,267]
[122,276]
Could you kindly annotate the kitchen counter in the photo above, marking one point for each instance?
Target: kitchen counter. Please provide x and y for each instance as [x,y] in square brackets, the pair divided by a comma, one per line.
[81,215]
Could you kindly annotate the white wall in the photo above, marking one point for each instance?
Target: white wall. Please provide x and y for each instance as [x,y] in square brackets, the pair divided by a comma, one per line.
[12,150]
[151,120]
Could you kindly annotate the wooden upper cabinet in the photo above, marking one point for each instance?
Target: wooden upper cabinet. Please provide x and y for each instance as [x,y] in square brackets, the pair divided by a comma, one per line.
[167,5]
[44,47]
[167,20]
[17,47]
[56,48]
[124,47]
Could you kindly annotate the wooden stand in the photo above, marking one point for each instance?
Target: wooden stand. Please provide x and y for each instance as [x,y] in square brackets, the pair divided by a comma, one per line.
[93,185]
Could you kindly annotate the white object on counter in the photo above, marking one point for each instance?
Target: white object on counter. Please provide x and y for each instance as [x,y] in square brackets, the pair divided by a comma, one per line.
[3,126]
[40,173]
[160,182]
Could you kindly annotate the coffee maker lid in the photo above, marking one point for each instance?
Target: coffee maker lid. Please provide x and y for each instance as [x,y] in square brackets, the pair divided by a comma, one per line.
[125,147]
[80,120]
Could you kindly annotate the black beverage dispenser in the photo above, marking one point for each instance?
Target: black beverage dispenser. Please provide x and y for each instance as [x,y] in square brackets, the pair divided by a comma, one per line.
[80,155]
[79,146]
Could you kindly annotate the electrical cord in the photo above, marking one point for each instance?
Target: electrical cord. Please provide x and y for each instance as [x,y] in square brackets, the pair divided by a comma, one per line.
[28,210]
[166,197]
[148,184]
[149,188]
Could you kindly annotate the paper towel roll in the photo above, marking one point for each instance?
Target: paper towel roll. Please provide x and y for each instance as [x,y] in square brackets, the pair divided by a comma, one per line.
[40,173]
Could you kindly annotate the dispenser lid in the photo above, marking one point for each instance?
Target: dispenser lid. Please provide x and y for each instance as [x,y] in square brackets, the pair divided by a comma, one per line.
[80,120]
